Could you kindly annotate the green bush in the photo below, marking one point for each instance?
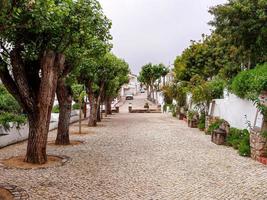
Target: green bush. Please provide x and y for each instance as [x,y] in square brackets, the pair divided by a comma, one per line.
[174,111]
[250,83]
[191,114]
[55,109]
[7,102]
[76,106]
[244,146]
[239,139]
[7,118]
[215,125]
[202,122]
[10,110]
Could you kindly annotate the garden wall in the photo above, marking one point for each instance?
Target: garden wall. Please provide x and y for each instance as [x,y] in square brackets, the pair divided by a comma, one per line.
[17,135]
[234,110]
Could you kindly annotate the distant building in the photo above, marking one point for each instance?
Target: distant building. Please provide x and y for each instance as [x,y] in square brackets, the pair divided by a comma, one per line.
[133,87]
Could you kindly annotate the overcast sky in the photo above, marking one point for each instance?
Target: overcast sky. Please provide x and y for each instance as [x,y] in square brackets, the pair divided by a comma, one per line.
[156,30]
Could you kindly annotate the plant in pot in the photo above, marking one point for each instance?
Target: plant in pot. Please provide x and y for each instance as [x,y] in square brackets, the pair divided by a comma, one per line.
[202,122]
[146,106]
[179,93]
[192,118]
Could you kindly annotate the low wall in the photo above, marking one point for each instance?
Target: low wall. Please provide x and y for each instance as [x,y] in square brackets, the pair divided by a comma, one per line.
[237,112]
[15,135]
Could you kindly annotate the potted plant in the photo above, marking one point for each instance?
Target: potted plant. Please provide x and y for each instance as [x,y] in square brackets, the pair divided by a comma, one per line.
[192,118]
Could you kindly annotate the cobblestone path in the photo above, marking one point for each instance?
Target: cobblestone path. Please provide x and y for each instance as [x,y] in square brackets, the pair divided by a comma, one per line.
[142,156]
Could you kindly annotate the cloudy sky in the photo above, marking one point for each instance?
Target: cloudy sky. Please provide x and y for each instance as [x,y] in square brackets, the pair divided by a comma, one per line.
[156,30]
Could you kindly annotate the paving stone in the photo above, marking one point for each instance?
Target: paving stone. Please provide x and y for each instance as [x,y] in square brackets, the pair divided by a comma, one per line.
[141,156]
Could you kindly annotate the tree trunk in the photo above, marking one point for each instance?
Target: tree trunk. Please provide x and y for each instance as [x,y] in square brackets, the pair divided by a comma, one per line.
[39,119]
[37,140]
[64,97]
[93,110]
[106,107]
[85,110]
[80,117]
[109,109]
[99,113]
[152,91]
[148,92]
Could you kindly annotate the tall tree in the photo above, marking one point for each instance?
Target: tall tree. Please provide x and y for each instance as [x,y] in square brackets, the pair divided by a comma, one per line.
[243,24]
[34,37]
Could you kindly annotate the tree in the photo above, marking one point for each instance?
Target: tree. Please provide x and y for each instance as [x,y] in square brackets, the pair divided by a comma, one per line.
[79,94]
[34,37]
[148,75]
[243,24]
[164,73]
[97,75]
[91,46]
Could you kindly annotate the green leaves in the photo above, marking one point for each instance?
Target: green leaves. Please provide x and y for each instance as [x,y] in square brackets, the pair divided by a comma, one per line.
[243,24]
[249,84]
[10,111]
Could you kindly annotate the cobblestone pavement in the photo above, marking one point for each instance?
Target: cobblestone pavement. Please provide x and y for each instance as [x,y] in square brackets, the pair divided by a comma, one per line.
[142,156]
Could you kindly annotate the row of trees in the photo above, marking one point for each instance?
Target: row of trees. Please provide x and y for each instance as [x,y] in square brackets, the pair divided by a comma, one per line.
[237,43]
[150,76]
[45,47]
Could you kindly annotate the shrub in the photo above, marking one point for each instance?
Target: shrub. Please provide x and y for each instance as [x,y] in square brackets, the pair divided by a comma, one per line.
[174,111]
[215,125]
[10,110]
[249,84]
[202,122]
[55,109]
[7,102]
[244,146]
[76,106]
[6,119]
[191,114]
[239,139]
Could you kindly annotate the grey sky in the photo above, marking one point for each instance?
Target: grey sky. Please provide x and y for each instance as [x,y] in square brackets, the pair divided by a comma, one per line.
[156,30]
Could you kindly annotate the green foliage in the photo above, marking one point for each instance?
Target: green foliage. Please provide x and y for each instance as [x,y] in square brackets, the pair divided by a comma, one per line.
[215,125]
[7,102]
[191,114]
[168,94]
[264,134]
[202,121]
[174,111]
[243,24]
[204,91]
[76,106]
[250,83]
[55,109]
[239,139]
[6,119]
[150,73]
[205,58]
[216,87]
[10,111]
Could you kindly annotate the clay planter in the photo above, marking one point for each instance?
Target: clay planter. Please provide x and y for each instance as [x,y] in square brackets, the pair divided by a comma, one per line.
[192,123]
[117,109]
[181,116]
[218,136]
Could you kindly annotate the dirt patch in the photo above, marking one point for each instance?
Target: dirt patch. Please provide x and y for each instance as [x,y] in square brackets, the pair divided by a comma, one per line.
[5,194]
[83,133]
[18,162]
[72,143]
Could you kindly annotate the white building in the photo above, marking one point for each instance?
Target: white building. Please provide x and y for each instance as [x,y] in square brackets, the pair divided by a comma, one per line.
[133,87]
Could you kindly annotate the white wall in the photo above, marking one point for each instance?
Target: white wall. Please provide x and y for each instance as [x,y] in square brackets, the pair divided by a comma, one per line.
[234,110]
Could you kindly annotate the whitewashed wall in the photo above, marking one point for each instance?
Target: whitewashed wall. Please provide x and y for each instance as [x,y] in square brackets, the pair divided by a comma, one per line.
[234,110]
